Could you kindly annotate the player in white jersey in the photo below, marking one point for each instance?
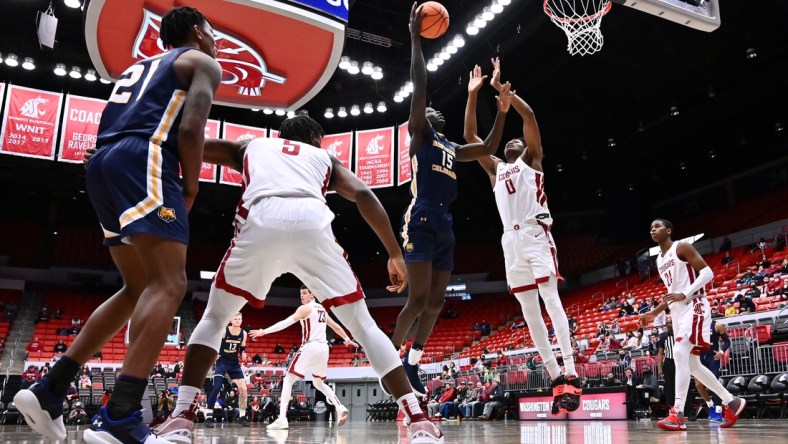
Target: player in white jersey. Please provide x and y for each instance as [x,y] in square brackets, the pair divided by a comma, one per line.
[284,225]
[528,247]
[685,275]
[312,357]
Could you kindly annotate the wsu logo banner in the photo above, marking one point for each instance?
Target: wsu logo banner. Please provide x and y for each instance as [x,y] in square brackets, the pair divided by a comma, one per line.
[403,154]
[80,127]
[30,123]
[375,157]
[235,132]
[339,146]
[273,54]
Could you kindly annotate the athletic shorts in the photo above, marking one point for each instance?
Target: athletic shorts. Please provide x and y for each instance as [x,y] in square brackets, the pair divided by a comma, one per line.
[288,235]
[692,322]
[135,187]
[231,368]
[312,358]
[427,235]
[529,256]
[708,361]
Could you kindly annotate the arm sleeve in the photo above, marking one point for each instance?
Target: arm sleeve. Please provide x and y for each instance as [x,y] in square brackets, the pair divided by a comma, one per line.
[281,325]
[704,277]
[726,342]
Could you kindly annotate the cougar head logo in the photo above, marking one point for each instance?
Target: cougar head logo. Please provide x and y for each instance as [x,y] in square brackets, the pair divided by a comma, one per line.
[31,108]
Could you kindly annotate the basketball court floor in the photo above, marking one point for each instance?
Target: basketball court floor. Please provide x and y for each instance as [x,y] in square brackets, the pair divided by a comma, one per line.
[497,432]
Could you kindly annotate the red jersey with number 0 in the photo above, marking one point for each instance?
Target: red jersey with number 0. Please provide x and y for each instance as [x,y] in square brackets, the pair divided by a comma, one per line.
[519,192]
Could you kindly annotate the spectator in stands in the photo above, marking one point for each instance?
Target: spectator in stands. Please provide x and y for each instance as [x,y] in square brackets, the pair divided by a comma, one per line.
[165,404]
[473,402]
[602,329]
[74,331]
[486,328]
[158,371]
[479,365]
[715,313]
[84,371]
[465,395]
[63,331]
[34,346]
[726,244]
[105,397]
[631,381]
[603,346]
[279,349]
[43,316]
[784,267]
[446,409]
[98,355]
[773,286]
[615,328]
[727,259]
[84,382]
[746,277]
[72,394]
[782,292]
[256,379]
[624,360]
[573,326]
[765,262]
[747,306]
[626,309]
[230,406]
[611,381]
[650,385]
[30,376]
[490,375]
[645,306]
[257,359]
[78,415]
[730,310]
[613,343]
[60,347]
[76,321]
[653,347]
[496,399]
[631,342]
[57,314]
[434,405]
[630,298]
[178,369]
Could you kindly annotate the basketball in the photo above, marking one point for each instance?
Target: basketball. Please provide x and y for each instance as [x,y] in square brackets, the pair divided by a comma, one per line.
[435,21]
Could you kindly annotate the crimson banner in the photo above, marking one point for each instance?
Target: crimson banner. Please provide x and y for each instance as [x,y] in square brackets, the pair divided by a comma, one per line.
[375,157]
[339,146]
[208,170]
[30,122]
[403,154]
[80,127]
[233,131]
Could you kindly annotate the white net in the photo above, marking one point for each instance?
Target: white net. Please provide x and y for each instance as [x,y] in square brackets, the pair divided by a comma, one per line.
[580,20]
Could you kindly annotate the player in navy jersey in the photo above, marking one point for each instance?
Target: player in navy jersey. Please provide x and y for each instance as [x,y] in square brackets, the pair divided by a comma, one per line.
[711,359]
[154,120]
[233,347]
[427,236]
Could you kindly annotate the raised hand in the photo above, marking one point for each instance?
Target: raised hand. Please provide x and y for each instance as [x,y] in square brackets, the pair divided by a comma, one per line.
[415,20]
[476,80]
[259,333]
[495,82]
[504,98]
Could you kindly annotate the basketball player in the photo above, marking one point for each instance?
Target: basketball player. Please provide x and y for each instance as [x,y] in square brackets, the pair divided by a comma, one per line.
[233,346]
[283,225]
[312,357]
[711,360]
[528,247]
[685,274]
[154,120]
[428,239]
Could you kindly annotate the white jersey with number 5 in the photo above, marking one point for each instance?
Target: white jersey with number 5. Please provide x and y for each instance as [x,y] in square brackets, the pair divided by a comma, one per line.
[519,193]
[313,328]
[282,168]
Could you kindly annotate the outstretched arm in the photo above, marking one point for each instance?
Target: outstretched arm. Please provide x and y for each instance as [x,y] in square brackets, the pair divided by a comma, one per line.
[301,313]
[476,151]
[349,186]
[225,152]
[534,154]
[471,133]
[418,126]
[341,332]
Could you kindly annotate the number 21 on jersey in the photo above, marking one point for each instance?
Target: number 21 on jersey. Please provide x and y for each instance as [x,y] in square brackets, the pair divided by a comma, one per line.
[135,73]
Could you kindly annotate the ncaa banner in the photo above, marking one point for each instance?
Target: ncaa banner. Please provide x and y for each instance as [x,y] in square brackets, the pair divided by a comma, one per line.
[237,133]
[403,154]
[80,127]
[375,157]
[339,146]
[274,54]
[30,122]
[208,170]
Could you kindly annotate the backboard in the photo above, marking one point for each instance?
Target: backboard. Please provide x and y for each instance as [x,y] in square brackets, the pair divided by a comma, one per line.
[703,15]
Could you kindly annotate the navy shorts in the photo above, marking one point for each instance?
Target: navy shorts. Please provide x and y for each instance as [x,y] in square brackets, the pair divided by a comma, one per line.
[231,368]
[135,187]
[708,361]
[427,235]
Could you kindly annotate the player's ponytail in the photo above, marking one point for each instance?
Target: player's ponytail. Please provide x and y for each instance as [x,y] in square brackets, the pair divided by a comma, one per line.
[177,25]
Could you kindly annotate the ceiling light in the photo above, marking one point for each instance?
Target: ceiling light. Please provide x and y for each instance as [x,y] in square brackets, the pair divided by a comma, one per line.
[471,29]
[367,68]
[329,113]
[377,73]
[280,112]
[712,154]
[611,142]
[90,76]
[408,87]
[254,110]
[344,62]
[487,14]
[368,109]
[268,111]
[496,7]
[630,187]
[354,111]
[12,60]
[458,41]
[73,3]
[104,81]
[342,112]
[674,111]
[353,68]
[778,127]
[438,60]
[75,73]
[751,54]
[504,2]
[290,114]
[382,107]
[451,49]
[398,98]
[431,66]
[479,22]
[444,55]
[682,166]
[28,64]
[559,168]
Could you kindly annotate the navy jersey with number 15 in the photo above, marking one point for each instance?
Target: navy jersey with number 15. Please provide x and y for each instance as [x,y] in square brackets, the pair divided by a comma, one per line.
[434,178]
[146,102]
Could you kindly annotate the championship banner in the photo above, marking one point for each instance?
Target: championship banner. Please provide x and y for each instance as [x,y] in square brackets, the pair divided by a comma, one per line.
[236,132]
[30,122]
[272,133]
[80,127]
[403,154]
[339,146]
[208,170]
[375,157]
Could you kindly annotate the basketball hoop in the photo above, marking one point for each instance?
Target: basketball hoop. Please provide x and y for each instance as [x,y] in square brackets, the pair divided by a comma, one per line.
[580,20]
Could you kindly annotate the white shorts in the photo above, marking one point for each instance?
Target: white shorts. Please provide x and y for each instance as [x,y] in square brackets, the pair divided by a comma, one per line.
[692,322]
[288,235]
[312,357]
[530,256]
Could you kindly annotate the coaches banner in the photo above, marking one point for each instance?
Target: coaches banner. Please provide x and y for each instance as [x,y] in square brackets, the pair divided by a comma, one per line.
[236,132]
[375,157]
[339,146]
[80,127]
[208,170]
[403,154]
[30,122]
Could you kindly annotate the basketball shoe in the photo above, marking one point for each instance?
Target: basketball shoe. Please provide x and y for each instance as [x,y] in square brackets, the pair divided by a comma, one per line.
[731,412]
[715,413]
[423,432]
[412,371]
[342,414]
[131,430]
[279,424]
[674,421]
[43,411]
[176,428]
